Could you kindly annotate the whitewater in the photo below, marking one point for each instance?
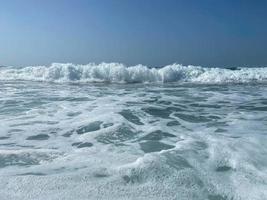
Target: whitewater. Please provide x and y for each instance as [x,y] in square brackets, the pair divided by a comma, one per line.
[119,73]
[110,131]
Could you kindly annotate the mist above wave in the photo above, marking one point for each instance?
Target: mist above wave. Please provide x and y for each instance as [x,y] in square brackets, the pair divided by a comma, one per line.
[119,73]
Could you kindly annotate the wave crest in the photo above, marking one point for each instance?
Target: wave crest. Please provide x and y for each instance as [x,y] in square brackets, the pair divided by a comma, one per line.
[119,73]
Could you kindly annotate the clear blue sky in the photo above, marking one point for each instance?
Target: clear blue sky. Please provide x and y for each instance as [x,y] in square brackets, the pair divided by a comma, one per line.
[151,32]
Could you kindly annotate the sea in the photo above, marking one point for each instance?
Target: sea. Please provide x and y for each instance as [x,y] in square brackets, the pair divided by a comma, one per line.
[110,131]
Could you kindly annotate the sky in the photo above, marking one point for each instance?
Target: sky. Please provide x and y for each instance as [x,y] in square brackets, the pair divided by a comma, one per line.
[212,33]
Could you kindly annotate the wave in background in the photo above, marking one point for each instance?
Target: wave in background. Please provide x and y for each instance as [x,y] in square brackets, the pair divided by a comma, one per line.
[119,73]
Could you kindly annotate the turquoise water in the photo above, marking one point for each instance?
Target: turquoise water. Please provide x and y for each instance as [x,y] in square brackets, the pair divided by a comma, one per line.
[133,141]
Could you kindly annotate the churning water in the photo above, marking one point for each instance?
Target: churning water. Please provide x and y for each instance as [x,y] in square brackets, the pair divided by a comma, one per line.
[171,133]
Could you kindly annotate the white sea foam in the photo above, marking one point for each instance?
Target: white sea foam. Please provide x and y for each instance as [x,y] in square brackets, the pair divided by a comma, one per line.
[125,141]
[119,73]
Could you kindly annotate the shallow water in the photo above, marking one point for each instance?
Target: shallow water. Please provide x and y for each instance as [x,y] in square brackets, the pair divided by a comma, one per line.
[133,141]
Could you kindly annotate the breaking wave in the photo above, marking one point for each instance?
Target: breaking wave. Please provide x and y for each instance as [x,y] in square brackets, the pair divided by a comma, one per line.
[119,73]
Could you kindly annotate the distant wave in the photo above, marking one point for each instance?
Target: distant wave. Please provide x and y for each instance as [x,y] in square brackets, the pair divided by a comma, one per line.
[119,73]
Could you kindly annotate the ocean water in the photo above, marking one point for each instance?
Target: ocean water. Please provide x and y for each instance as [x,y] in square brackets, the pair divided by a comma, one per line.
[113,132]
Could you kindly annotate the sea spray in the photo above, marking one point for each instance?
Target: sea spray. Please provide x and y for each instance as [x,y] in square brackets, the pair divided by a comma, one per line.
[119,73]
